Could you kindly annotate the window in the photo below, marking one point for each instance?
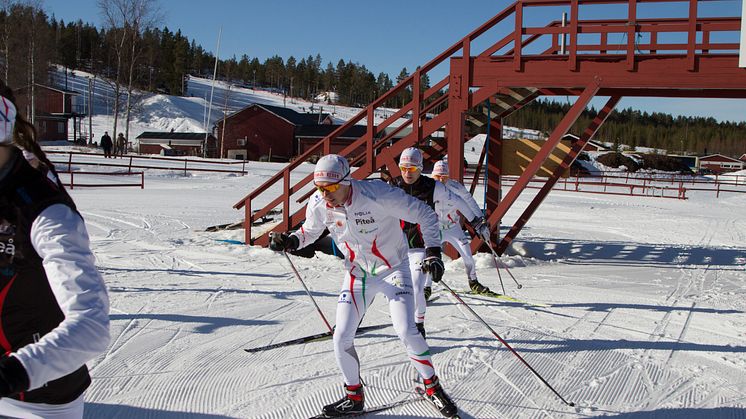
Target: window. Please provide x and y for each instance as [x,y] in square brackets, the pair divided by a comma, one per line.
[241,142]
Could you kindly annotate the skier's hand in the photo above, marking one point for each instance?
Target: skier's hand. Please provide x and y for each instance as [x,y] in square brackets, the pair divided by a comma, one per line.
[481,227]
[283,242]
[433,264]
[13,377]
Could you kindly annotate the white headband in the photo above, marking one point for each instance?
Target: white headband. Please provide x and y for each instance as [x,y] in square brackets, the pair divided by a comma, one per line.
[7,120]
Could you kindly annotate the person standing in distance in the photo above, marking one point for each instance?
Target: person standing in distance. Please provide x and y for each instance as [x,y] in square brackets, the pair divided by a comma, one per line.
[106,144]
[363,218]
[450,226]
[54,309]
[441,200]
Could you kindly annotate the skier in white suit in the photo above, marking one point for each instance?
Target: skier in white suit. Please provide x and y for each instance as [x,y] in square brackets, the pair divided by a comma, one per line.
[450,227]
[364,217]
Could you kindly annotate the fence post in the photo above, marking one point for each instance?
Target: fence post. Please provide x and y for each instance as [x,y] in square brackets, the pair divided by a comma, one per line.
[243,168]
[185,167]
[129,169]
[72,181]
[70,164]
[142,180]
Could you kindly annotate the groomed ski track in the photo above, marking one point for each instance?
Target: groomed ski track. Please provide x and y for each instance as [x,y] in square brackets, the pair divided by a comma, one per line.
[647,316]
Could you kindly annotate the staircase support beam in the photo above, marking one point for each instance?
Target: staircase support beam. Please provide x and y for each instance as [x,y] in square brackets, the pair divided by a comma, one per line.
[551,143]
[588,133]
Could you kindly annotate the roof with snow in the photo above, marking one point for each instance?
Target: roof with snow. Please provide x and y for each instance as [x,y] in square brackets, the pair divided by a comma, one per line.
[718,157]
[154,135]
[289,115]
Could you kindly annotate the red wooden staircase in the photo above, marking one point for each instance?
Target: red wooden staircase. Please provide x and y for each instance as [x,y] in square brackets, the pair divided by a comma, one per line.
[578,58]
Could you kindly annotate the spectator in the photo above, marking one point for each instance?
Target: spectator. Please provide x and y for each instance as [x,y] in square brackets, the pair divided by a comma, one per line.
[121,144]
[106,144]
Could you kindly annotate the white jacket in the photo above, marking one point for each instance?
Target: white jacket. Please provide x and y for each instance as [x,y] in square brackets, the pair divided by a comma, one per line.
[59,236]
[367,227]
[449,199]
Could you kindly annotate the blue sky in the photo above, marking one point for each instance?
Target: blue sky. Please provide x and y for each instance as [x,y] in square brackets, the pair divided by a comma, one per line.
[385,35]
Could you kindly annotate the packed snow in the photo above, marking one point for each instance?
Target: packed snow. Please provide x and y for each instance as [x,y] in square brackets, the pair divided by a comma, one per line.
[634,306]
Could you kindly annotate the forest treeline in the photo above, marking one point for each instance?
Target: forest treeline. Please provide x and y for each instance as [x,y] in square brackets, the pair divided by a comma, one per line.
[136,53]
[634,128]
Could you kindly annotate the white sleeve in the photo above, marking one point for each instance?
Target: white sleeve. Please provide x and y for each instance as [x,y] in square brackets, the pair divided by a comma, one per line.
[397,203]
[462,192]
[444,194]
[60,238]
[313,225]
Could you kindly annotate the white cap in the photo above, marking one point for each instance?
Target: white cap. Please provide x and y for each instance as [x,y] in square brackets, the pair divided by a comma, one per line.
[440,168]
[411,157]
[332,168]
[7,120]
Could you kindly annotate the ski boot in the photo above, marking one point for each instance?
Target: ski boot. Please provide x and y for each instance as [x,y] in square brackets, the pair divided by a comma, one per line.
[352,402]
[477,288]
[435,393]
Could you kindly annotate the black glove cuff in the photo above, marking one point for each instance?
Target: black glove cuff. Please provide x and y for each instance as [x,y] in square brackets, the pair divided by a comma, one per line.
[432,251]
[13,374]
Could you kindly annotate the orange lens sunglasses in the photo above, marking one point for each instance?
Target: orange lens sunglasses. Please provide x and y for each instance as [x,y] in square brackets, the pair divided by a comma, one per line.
[410,169]
[441,177]
[334,187]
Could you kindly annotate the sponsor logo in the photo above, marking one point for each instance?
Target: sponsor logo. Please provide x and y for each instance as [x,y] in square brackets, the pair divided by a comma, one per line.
[344,298]
[327,175]
[8,248]
[366,231]
[362,213]
[365,221]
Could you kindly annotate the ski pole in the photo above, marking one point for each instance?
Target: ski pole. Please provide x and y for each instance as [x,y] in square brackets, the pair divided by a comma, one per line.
[506,344]
[497,267]
[498,262]
[297,275]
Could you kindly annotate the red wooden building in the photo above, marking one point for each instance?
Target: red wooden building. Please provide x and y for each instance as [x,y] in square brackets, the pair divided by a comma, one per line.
[309,135]
[260,131]
[53,109]
[177,144]
[719,163]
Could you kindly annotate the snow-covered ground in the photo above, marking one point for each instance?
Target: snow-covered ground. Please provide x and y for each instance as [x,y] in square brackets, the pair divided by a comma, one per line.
[647,314]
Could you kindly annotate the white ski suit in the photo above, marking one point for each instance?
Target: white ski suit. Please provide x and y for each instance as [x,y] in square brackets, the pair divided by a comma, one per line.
[450,227]
[367,230]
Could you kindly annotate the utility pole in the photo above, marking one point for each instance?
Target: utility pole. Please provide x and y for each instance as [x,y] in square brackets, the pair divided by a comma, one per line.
[212,90]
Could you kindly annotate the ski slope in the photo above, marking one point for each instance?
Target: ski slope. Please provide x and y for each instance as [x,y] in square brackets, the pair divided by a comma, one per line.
[647,315]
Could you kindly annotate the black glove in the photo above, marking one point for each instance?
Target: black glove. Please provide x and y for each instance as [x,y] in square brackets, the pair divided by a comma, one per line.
[13,377]
[481,227]
[283,242]
[433,264]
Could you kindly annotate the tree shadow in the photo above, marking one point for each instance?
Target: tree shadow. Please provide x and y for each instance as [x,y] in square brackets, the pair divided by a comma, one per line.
[185,272]
[279,294]
[118,411]
[208,324]
[584,345]
[633,254]
[685,413]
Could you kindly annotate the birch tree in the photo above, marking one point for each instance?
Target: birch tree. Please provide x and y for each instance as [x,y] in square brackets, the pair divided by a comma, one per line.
[127,19]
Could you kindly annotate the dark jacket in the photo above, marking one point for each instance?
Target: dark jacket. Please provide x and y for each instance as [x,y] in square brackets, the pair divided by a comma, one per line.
[29,307]
[423,189]
[106,141]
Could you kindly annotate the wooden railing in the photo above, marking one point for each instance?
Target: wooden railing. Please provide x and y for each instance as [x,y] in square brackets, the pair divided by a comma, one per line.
[457,90]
